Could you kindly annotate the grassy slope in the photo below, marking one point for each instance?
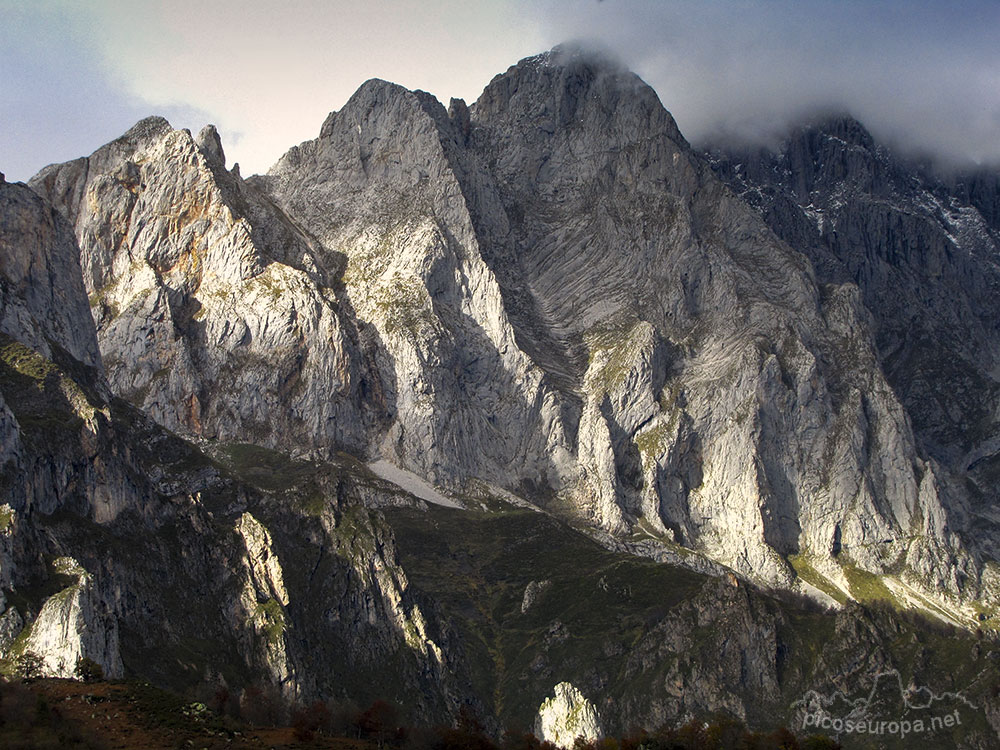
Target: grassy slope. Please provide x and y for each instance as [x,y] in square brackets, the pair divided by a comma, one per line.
[603,607]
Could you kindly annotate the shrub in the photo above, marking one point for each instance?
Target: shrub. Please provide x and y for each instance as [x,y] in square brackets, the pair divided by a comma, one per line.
[88,670]
[308,721]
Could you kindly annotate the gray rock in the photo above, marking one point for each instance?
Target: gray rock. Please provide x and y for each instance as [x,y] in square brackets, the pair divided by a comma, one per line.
[73,624]
[210,143]
[42,298]
[212,312]
[922,251]
[566,716]
[568,300]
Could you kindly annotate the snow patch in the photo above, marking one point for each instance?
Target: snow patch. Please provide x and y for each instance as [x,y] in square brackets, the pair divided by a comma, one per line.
[915,600]
[410,482]
[515,500]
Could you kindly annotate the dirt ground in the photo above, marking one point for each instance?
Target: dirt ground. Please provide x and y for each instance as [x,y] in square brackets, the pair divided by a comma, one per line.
[125,715]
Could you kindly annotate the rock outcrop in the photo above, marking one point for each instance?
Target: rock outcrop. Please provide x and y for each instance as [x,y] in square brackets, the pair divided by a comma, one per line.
[213,315]
[566,716]
[72,625]
[920,249]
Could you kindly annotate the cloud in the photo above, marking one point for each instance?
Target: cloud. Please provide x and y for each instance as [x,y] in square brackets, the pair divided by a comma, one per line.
[921,74]
[58,98]
[269,73]
[75,75]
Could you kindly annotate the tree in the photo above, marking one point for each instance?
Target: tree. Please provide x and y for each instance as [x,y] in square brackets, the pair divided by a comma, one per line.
[28,666]
[307,721]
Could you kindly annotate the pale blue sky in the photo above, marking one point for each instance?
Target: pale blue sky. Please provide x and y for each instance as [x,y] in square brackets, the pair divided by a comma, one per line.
[75,74]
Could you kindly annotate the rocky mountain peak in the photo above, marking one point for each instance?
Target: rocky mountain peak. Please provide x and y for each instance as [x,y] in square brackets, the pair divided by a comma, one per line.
[374,97]
[142,133]
[210,143]
[574,89]
[842,126]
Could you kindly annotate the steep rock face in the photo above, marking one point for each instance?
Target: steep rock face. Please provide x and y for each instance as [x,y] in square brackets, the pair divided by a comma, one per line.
[380,189]
[74,624]
[264,597]
[122,543]
[548,291]
[570,304]
[743,402]
[212,313]
[41,290]
[923,252]
[193,575]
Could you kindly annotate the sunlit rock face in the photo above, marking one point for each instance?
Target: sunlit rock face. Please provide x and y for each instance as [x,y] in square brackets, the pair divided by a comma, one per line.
[212,313]
[567,299]
[566,716]
[547,291]
[75,624]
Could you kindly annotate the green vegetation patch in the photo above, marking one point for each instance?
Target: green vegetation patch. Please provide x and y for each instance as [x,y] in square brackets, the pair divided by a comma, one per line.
[612,346]
[804,569]
[867,587]
[25,361]
[10,663]
[310,486]
[476,566]
[405,305]
[274,620]
[264,468]
[6,517]
[654,441]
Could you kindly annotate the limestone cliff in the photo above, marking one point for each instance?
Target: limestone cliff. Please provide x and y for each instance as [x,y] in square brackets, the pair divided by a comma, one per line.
[921,249]
[570,305]
[213,314]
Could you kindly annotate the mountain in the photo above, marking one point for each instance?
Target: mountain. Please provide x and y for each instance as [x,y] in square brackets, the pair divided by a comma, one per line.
[685,414]
[127,545]
[923,251]
[590,315]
